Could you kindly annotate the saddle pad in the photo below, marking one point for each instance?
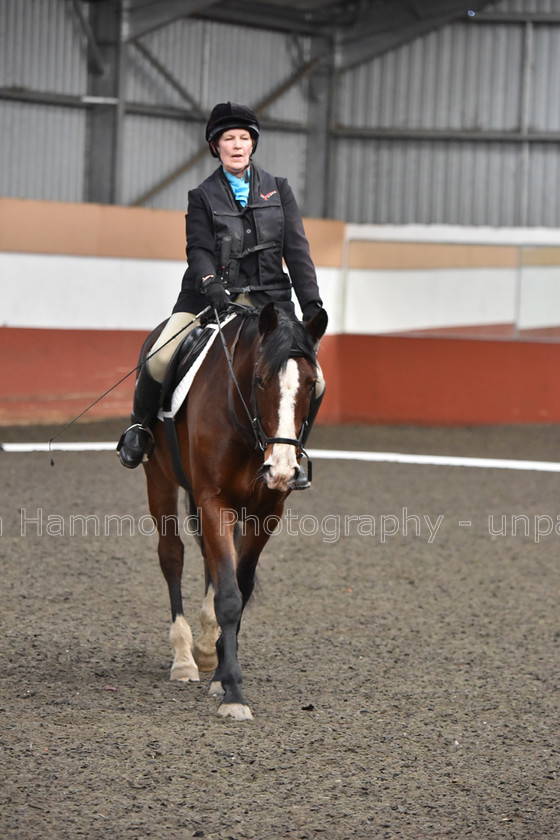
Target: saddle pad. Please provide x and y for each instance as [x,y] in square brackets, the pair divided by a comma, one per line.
[182,389]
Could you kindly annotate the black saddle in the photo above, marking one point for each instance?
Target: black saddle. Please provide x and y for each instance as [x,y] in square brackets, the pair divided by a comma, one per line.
[182,360]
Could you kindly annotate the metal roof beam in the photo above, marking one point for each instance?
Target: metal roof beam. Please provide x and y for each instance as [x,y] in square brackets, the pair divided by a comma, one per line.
[517,17]
[378,32]
[146,18]
[143,109]
[42,97]
[262,16]
[169,78]
[492,136]
[353,51]
[413,6]
[97,64]
[282,88]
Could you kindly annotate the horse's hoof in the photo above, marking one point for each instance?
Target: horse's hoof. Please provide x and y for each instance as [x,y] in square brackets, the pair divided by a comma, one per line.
[237,711]
[185,673]
[206,660]
[216,689]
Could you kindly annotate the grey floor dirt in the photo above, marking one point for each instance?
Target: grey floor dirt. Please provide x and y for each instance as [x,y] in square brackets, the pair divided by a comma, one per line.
[402,665]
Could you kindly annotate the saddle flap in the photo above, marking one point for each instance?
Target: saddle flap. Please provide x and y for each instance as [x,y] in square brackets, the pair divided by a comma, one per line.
[182,359]
[184,366]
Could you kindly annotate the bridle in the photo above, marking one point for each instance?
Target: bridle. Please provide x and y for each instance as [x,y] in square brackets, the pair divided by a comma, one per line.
[262,440]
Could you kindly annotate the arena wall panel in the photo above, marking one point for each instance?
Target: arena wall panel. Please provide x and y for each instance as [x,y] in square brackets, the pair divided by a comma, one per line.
[427,325]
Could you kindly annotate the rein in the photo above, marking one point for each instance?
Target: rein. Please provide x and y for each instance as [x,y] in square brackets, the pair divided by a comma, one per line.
[235,381]
[261,439]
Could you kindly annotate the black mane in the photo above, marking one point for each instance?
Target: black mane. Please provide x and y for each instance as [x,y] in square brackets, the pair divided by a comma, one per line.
[290,339]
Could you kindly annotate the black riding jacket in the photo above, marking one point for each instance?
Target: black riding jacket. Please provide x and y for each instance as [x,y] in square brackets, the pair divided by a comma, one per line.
[266,231]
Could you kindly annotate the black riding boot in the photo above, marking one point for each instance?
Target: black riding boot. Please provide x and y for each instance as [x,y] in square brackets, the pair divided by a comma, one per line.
[302,482]
[145,407]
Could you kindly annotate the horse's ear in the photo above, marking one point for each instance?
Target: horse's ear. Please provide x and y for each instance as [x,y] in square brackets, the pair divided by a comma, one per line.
[317,325]
[268,320]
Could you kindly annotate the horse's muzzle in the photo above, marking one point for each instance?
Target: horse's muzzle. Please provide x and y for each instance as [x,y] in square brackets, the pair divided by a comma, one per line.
[281,480]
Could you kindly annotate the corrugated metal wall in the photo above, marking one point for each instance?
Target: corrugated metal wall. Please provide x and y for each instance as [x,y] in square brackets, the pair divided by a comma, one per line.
[437,131]
[403,182]
[42,46]
[452,78]
[441,98]
[42,152]
[545,7]
[42,147]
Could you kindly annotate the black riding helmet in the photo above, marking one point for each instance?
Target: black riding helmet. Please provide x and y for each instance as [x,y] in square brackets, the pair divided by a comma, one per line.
[231,115]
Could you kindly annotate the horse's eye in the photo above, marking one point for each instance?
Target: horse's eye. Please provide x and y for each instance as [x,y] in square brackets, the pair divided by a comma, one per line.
[259,382]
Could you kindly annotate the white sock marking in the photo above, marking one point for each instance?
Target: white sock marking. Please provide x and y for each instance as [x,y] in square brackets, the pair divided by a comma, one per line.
[184,667]
[205,646]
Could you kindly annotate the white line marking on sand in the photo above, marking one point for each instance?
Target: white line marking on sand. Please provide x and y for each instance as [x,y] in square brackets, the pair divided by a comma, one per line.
[58,447]
[329,455]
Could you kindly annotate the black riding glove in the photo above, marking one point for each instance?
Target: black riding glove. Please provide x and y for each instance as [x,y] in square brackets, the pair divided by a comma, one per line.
[310,310]
[217,296]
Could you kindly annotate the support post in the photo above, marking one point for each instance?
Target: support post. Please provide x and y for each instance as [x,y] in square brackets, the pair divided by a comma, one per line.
[318,164]
[104,121]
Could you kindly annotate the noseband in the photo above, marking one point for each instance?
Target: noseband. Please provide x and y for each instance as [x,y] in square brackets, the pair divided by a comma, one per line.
[263,440]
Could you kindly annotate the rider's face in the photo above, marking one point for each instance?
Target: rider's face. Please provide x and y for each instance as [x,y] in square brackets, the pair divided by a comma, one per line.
[234,148]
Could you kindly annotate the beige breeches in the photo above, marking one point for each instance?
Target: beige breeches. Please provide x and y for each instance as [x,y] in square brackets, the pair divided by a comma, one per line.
[157,365]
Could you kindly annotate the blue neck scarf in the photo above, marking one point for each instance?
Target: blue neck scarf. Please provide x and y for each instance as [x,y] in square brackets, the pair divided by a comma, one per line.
[240,186]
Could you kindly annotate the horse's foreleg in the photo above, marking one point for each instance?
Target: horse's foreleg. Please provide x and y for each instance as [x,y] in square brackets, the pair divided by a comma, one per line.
[228,606]
[162,497]
[245,575]
[228,603]
[253,536]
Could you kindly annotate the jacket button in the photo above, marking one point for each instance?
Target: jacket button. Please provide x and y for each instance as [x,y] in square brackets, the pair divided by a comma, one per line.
[248,230]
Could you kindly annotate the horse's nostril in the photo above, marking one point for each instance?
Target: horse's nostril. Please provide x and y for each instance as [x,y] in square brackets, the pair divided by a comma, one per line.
[266,468]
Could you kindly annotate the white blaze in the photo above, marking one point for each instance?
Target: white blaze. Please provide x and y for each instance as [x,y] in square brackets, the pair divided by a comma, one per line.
[282,460]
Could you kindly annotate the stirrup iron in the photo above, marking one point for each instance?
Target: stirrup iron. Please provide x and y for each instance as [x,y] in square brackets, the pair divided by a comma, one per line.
[148,450]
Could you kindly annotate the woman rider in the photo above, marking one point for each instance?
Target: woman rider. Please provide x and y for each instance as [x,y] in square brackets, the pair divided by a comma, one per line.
[259,214]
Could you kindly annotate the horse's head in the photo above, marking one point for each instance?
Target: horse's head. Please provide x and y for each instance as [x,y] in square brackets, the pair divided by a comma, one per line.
[285,376]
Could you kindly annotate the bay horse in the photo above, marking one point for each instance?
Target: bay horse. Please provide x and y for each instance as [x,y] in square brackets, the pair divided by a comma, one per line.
[240,435]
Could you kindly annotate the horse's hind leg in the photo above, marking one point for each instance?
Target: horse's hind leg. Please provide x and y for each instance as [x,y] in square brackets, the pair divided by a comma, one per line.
[162,497]
[205,652]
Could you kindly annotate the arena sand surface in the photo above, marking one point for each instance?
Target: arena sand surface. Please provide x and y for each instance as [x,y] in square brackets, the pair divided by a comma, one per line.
[404,685]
